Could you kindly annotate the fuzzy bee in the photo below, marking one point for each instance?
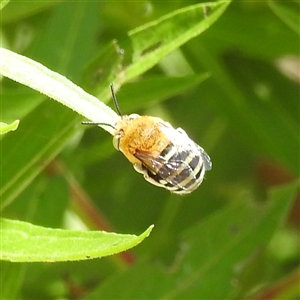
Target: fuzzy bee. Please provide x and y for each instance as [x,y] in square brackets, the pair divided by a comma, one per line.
[166,156]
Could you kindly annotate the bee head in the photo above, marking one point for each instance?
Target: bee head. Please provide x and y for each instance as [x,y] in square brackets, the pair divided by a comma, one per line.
[120,127]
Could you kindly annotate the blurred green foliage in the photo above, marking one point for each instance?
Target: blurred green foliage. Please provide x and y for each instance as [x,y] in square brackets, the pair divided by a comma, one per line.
[212,244]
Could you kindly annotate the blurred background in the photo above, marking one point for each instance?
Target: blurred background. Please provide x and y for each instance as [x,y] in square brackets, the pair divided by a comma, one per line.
[234,89]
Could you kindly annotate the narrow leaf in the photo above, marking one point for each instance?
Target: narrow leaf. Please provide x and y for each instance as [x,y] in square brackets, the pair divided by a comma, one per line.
[3,3]
[11,278]
[33,74]
[4,128]
[29,149]
[288,12]
[154,89]
[156,39]
[24,242]
[101,71]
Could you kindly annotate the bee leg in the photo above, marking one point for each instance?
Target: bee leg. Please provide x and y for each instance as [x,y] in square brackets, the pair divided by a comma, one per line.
[154,182]
[139,168]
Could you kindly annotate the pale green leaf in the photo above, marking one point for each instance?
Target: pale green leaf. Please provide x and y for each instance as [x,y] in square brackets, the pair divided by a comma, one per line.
[33,74]
[4,128]
[3,3]
[24,242]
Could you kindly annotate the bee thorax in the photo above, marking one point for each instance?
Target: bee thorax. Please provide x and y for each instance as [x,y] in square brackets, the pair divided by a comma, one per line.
[139,135]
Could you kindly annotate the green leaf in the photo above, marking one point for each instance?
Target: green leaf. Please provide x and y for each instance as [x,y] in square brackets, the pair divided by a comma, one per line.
[24,242]
[224,243]
[69,54]
[12,275]
[47,128]
[3,3]
[16,104]
[26,152]
[213,254]
[101,71]
[246,116]
[154,89]
[33,74]
[18,10]
[4,128]
[154,40]
[285,288]
[288,12]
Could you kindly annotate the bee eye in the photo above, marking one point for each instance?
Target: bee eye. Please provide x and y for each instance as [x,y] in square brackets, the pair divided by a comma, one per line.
[116,141]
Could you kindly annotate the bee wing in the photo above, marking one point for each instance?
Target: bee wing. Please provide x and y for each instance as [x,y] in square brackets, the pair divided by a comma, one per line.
[162,172]
[206,159]
[159,165]
[149,161]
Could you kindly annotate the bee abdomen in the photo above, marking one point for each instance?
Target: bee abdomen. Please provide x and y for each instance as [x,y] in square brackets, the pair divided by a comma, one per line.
[181,172]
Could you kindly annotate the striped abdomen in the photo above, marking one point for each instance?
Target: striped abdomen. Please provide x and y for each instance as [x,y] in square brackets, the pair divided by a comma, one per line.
[179,170]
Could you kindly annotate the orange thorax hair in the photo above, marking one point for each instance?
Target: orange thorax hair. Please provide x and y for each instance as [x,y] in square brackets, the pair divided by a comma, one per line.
[142,134]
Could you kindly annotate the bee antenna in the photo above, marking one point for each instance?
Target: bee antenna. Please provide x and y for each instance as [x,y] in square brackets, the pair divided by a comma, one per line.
[96,123]
[115,99]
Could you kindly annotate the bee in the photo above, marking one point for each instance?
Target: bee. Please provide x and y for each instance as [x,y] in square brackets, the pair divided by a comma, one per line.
[166,156]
